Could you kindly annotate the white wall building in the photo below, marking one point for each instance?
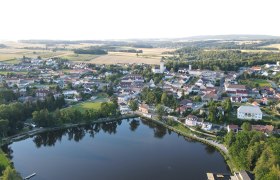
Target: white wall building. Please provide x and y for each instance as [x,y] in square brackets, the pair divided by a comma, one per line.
[159,69]
[249,112]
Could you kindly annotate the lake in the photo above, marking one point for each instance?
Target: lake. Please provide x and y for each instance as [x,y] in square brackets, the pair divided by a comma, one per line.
[128,149]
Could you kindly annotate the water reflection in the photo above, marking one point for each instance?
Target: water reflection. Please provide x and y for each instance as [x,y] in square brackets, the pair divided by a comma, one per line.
[134,124]
[130,149]
[210,149]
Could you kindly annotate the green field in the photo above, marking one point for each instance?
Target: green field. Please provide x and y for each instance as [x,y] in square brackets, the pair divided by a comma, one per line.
[95,104]
[262,82]
[252,83]
[88,105]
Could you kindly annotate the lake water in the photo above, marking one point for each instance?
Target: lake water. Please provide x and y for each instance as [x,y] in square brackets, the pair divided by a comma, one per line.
[123,150]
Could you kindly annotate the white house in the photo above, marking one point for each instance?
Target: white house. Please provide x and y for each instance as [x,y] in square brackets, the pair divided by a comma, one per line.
[206,126]
[192,120]
[249,112]
[124,109]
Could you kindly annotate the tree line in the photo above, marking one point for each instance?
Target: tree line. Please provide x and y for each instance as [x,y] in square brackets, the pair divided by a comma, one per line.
[13,115]
[225,63]
[90,51]
[46,118]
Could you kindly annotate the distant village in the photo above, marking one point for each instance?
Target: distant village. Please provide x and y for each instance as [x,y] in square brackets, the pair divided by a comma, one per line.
[78,82]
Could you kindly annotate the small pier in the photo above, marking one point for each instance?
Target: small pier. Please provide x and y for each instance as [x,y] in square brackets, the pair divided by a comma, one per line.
[30,176]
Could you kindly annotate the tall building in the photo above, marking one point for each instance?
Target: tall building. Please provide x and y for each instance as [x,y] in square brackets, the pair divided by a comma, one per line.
[159,69]
[162,67]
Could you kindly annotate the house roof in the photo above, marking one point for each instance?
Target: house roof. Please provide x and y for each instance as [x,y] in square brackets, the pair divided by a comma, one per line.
[266,128]
[232,126]
[192,117]
[185,101]
[249,109]
[236,86]
[145,106]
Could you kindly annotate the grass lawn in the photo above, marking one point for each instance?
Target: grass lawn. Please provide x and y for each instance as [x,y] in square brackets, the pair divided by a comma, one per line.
[262,82]
[87,105]
[95,104]
[91,105]
[252,82]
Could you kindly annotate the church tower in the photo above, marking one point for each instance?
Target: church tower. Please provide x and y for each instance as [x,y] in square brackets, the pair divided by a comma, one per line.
[162,68]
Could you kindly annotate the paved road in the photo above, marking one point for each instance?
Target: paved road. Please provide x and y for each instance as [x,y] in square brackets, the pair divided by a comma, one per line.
[220,146]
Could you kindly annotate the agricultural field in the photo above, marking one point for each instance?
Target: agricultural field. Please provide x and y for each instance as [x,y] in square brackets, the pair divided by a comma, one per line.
[79,57]
[149,56]
[15,50]
[257,50]
[8,54]
[113,59]
[274,46]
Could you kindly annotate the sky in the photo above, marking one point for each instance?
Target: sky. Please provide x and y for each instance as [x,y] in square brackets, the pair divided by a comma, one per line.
[127,19]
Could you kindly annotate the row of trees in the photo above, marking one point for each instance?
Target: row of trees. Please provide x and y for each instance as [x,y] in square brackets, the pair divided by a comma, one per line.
[253,151]
[46,118]
[90,51]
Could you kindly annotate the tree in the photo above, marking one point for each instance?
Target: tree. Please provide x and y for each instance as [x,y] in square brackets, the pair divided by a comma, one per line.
[133,105]
[160,111]
[227,105]
[246,126]
[212,111]
[4,125]
[110,91]
[150,98]
[164,98]
[229,139]
[11,174]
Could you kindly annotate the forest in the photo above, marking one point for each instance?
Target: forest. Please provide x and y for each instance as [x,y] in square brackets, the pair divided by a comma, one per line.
[13,115]
[254,152]
[90,51]
[230,60]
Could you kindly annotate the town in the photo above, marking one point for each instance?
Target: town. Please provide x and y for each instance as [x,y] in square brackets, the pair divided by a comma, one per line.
[220,108]
[210,100]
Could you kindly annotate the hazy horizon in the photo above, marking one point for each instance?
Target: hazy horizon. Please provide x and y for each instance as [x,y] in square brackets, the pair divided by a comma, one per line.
[119,20]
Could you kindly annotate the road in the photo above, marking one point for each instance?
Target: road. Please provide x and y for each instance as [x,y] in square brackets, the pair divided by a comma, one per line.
[220,146]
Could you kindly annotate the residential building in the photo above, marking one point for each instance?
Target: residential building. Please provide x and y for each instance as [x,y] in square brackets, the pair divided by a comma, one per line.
[192,120]
[144,108]
[249,112]
[233,128]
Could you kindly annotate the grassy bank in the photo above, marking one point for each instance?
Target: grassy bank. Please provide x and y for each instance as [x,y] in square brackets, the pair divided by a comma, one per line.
[4,162]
